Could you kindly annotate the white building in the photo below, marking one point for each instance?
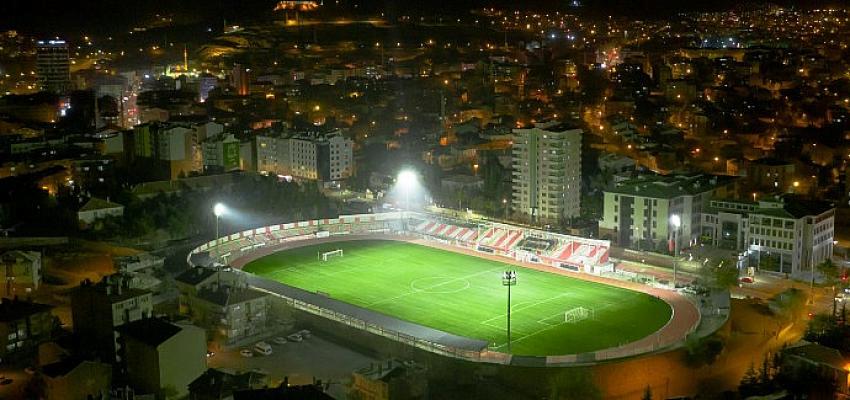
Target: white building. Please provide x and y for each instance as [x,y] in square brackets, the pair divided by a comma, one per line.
[96,209]
[547,172]
[784,234]
[324,157]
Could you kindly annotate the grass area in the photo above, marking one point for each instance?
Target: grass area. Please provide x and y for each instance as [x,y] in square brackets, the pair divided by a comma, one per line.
[464,295]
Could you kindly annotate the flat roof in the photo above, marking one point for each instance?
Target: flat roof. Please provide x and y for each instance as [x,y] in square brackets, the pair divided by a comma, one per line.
[669,186]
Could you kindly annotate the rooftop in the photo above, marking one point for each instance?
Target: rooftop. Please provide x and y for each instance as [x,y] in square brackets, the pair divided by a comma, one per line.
[195,275]
[95,203]
[818,354]
[225,296]
[14,309]
[151,331]
[669,186]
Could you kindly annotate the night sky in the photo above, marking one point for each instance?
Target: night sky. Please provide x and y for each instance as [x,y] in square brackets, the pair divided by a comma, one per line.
[48,17]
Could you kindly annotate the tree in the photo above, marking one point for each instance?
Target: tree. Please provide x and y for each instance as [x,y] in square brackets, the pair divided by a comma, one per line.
[647,393]
[831,274]
[749,385]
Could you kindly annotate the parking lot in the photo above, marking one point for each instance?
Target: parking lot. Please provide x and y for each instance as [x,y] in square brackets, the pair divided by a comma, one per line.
[300,361]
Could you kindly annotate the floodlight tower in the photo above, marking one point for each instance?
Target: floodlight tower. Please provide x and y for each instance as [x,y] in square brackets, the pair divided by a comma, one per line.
[407,181]
[676,222]
[218,210]
[509,279]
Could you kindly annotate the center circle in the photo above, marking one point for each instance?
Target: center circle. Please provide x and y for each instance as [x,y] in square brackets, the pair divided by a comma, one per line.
[439,284]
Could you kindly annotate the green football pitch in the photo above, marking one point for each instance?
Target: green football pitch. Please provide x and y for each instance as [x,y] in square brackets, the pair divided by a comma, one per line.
[463,295]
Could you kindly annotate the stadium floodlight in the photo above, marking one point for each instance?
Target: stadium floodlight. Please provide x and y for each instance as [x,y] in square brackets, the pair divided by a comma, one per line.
[407,182]
[218,210]
[676,222]
[509,279]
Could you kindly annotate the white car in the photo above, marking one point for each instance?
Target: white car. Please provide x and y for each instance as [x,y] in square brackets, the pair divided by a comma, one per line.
[294,337]
[246,353]
[263,348]
[279,340]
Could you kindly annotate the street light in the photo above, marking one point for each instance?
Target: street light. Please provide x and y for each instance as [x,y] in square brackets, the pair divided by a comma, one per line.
[509,279]
[406,180]
[676,221]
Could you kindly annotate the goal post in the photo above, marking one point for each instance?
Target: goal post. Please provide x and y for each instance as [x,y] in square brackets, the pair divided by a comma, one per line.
[330,254]
[578,314]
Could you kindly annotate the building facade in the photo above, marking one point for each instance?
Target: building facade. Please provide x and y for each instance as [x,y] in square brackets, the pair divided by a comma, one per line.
[546,172]
[637,212]
[20,270]
[53,65]
[325,157]
[163,358]
[23,326]
[780,234]
[98,308]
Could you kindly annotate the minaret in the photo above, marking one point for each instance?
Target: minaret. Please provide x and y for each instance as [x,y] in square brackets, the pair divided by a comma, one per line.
[185,58]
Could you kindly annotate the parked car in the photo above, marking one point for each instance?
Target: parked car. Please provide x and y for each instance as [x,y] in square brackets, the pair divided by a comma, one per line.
[279,340]
[305,333]
[746,279]
[246,353]
[263,348]
[294,338]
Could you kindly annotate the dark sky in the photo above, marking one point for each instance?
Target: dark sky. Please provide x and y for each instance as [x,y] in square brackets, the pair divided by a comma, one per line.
[51,17]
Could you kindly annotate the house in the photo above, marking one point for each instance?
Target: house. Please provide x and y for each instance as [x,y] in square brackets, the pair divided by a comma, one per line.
[392,379]
[220,384]
[21,269]
[163,358]
[76,379]
[23,326]
[804,358]
[96,208]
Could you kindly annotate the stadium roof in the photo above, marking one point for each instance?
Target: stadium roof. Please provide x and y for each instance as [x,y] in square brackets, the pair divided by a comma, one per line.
[371,317]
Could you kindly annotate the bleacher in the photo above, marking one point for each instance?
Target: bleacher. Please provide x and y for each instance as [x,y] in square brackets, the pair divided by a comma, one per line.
[536,244]
[501,238]
[445,230]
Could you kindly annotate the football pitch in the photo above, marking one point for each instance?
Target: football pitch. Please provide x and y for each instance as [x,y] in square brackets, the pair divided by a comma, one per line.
[463,295]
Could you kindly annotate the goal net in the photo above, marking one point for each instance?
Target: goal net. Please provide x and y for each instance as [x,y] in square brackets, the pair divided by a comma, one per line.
[578,314]
[330,254]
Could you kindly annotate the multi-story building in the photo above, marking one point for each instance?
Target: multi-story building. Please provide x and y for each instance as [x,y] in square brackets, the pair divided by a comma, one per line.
[221,153]
[547,172]
[97,309]
[637,212]
[771,174]
[20,269]
[23,326]
[779,234]
[53,65]
[325,157]
[163,358]
[173,149]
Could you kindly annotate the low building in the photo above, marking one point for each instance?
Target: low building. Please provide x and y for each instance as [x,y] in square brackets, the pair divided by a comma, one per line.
[771,174]
[23,326]
[219,384]
[163,358]
[285,392]
[76,379]
[390,380]
[144,262]
[803,359]
[98,308]
[96,208]
[783,234]
[21,269]
[461,182]
[192,281]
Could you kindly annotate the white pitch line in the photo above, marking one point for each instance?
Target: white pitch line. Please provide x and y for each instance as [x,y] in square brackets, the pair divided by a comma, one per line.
[432,286]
